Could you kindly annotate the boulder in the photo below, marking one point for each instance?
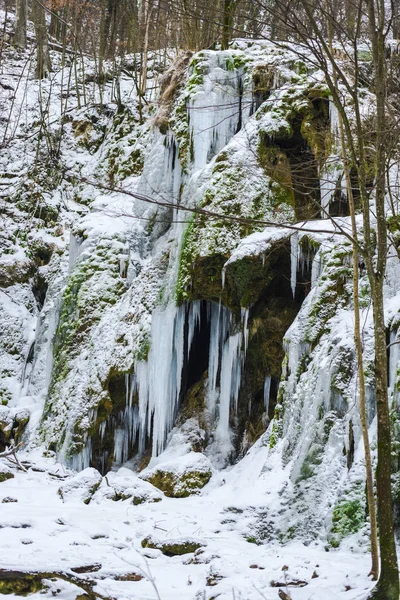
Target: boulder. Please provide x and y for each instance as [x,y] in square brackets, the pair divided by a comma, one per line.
[175,547]
[182,476]
[5,473]
[126,485]
[81,486]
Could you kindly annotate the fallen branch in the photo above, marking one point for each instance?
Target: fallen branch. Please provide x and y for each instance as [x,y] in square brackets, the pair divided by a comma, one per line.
[289,582]
[11,455]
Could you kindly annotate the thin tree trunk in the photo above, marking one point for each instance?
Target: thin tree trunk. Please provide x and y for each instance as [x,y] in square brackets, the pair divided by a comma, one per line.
[20,23]
[388,584]
[360,367]
[357,334]
[43,66]
[227,22]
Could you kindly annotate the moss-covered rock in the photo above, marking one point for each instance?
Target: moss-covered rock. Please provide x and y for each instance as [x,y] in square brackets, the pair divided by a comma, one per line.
[12,425]
[81,487]
[176,547]
[182,476]
[125,485]
[27,584]
[18,271]
[5,473]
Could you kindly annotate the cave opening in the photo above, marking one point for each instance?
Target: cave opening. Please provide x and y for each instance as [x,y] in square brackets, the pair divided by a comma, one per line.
[197,359]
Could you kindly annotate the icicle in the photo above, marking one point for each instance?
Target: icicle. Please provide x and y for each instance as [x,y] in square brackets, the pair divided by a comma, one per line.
[330,176]
[213,361]
[230,381]
[294,252]
[123,266]
[159,379]
[83,459]
[245,327]
[315,269]
[394,358]
[102,430]
[127,388]
[121,445]
[301,260]
[211,130]
[334,120]
[193,322]
[223,274]
[267,389]
[74,247]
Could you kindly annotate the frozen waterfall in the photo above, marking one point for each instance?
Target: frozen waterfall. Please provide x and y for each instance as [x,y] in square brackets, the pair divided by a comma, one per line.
[156,383]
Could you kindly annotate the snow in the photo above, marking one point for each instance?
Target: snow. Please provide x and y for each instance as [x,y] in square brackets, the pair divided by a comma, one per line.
[57,535]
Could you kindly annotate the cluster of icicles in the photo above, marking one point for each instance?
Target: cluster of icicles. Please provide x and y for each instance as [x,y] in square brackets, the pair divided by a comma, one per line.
[153,391]
[301,262]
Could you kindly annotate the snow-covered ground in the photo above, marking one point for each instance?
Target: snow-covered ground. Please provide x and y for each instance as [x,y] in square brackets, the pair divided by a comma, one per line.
[42,531]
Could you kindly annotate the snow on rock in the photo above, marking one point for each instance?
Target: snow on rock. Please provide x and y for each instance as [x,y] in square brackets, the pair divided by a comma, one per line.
[5,472]
[181,476]
[126,485]
[81,487]
[175,547]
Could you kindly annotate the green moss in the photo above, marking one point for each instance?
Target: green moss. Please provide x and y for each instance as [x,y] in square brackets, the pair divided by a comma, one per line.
[94,285]
[27,584]
[172,548]
[195,80]
[182,292]
[252,540]
[235,61]
[347,518]
[277,426]
[136,500]
[4,476]
[333,294]
[179,485]
[313,459]
[125,155]
[364,55]
[144,349]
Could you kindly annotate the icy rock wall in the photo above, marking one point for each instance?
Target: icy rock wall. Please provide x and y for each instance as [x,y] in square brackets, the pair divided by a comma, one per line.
[107,387]
[314,438]
[220,105]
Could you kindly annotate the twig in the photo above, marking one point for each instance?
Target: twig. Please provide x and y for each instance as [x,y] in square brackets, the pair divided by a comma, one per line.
[14,460]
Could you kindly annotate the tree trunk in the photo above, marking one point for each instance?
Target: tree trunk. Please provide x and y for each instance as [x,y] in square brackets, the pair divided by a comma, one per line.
[357,332]
[43,66]
[20,24]
[227,22]
[388,584]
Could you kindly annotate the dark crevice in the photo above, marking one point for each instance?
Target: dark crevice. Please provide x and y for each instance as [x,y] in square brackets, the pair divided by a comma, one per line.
[39,288]
[351,450]
[197,363]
